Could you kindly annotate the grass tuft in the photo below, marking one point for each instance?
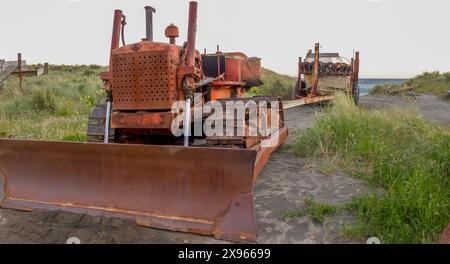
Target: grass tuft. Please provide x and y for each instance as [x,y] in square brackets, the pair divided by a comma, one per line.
[316,211]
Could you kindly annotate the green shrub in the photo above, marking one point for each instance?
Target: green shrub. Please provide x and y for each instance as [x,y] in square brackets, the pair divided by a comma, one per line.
[44,100]
[378,89]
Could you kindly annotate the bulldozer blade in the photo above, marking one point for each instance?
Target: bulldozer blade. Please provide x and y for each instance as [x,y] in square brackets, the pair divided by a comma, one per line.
[196,190]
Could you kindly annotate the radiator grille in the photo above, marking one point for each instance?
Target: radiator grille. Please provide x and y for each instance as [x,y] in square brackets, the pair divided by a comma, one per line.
[144,81]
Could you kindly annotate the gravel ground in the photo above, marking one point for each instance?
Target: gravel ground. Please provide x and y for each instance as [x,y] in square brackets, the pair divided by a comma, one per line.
[282,186]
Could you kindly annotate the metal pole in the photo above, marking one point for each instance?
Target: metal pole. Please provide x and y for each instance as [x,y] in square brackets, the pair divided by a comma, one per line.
[107,118]
[149,22]
[187,122]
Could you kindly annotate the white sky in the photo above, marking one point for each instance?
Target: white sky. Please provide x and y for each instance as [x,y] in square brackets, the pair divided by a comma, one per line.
[397,38]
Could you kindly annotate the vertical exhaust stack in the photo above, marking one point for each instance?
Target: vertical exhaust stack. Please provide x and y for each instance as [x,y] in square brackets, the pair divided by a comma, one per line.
[149,22]
[189,82]
[117,25]
[115,43]
[192,31]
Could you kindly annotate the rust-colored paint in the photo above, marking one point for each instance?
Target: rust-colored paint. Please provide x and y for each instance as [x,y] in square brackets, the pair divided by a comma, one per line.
[115,43]
[145,76]
[142,120]
[192,31]
[172,32]
[250,68]
[233,69]
[188,71]
[117,26]
[198,190]
[221,92]
[264,153]
[254,69]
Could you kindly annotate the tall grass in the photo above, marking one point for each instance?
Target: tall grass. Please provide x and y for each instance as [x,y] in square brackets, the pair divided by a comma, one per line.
[405,159]
[51,107]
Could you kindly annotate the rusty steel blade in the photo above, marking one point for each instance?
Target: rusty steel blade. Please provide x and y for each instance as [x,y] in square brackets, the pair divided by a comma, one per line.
[196,190]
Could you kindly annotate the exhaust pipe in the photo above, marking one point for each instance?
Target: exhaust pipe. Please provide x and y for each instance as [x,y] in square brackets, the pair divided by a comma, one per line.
[115,39]
[189,84]
[149,22]
[115,43]
[192,31]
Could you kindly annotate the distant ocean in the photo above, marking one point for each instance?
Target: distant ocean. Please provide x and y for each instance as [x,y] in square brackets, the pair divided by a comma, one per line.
[366,85]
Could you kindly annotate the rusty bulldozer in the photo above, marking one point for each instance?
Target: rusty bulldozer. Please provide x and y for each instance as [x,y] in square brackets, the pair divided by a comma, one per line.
[134,166]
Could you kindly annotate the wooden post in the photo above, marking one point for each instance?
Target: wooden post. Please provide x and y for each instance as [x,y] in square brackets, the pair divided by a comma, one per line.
[357,67]
[353,74]
[19,65]
[316,69]
[46,68]
[298,87]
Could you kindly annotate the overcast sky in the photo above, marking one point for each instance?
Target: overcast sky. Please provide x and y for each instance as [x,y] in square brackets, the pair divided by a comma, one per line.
[396,38]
